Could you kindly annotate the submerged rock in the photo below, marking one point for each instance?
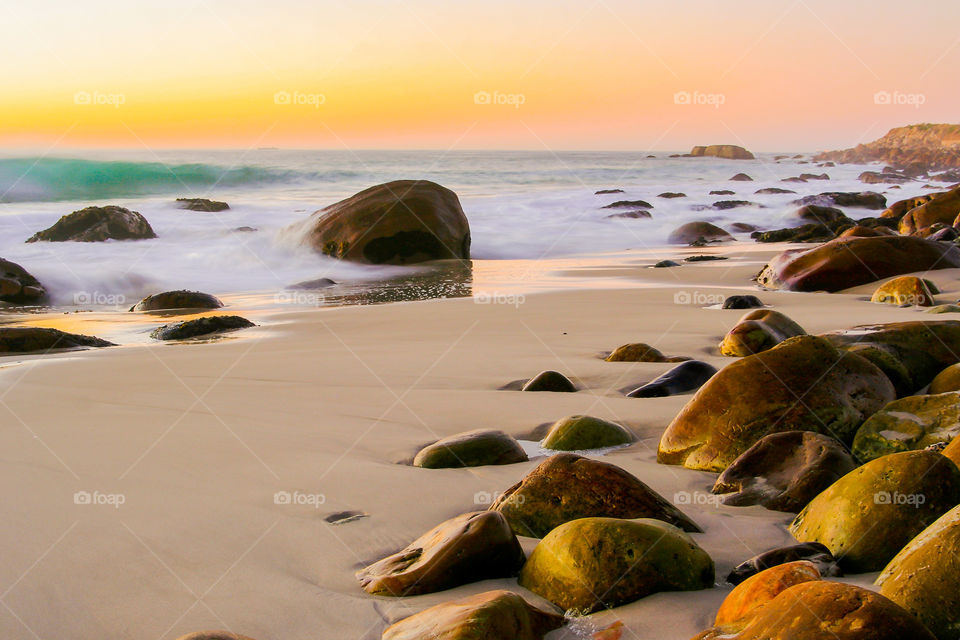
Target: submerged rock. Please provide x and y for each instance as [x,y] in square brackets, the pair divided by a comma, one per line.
[863,199]
[471,449]
[549,381]
[566,487]
[758,331]
[694,231]
[580,433]
[469,548]
[672,194]
[723,205]
[908,424]
[602,192]
[200,327]
[31,339]
[812,552]
[687,376]
[312,285]
[621,204]
[202,204]
[96,224]
[181,299]
[727,192]
[17,286]
[742,302]
[591,563]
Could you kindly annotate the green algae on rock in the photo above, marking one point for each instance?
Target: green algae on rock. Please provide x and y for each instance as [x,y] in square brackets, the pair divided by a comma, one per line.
[907,424]
[580,433]
[471,449]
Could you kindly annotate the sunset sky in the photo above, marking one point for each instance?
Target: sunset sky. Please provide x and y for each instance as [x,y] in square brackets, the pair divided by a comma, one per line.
[609,74]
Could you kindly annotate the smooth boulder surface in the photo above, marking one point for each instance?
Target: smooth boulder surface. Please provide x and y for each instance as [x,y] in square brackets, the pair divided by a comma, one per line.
[182,299]
[698,230]
[898,209]
[549,381]
[763,587]
[468,548]
[784,471]
[952,451]
[399,222]
[946,380]
[905,291]
[567,487]
[580,433]
[202,204]
[640,352]
[871,513]
[728,151]
[802,384]
[908,424]
[820,214]
[686,376]
[96,224]
[823,610]
[200,327]
[924,578]
[742,302]
[812,552]
[862,199]
[850,262]
[943,208]
[17,286]
[758,331]
[485,616]
[591,563]
[471,449]
[31,339]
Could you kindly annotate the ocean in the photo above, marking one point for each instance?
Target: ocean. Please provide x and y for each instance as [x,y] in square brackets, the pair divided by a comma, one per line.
[522,206]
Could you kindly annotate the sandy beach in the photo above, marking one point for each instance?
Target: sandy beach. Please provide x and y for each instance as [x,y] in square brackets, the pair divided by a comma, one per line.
[210,469]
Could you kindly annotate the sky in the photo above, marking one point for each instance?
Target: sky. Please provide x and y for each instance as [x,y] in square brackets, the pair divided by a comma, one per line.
[641,75]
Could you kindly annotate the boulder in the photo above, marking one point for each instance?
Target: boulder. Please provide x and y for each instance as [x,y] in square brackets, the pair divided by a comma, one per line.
[758,331]
[728,192]
[812,552]
[868,515]
[640,352]
[622,204]
[821,610]
[566,487]
[862,231]
[549,381]
[484,616]
[924,578]
[666,263]
[952,451]
[603,192]
[874,177]
[182,299]
[742,302]
[471,449]
[580,433]
[905,291]
[200,327]
[814,176]
[741,177]
[96,224]
[728,151]
[686,376]
[592,563]
[743,227]
[850,262]
[908,424]
[946,380]
[312,285]
[630,215]
[723,205]
[772,191]
[812,232]
[820,214]
[694,231]
[469,548]
[704,258]
[763,587]
[887,360]
[898,209]
[399,222]
[943,207]
[784,471]
[202,204]
[802,384]
[862,199]
[672,194]
[17,286]
[31,339]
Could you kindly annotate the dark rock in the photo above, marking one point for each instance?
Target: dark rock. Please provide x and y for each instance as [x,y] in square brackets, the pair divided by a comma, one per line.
[947,234]
[181,299]
[631,215]
[872,177]
[202,204]
[821,215]
[471,449]
[666,263]
[864,199]
[30,339]
[244,230]
[723,192]
[742,302]
[693,231]
[200,327]
[17,286]
[312,285]
[606,191]
[813,232]
[96,224]
[772,191]
[704,258]
[723,205]
[583,433]
[814,176]
[742,177]
[549,381]
[621,204]
[684,377]
[813,552]
[672,194]
[742,227]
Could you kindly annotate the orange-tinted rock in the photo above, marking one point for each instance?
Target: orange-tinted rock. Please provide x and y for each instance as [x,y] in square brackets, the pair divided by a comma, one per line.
[861,231]
[758,331]
[728,151]
[953,451]
[908,291]
[640,352]
[942,208]
[762,588]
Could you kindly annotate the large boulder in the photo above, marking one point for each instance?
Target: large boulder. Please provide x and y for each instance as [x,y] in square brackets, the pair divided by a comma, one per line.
[924,578]
[592,563]
[471,449]
[898,209]
[580,433]
[727,151]
[946,380]
[484,616]
[698,231]
[823,610]
[758,331]
[908,424]
[684,377]
[905,291]
[943,208]
[200,327]
[181,299]
[96,224]
[17,286]
[868,515]
[400,222]
[471,547]
[31,339]
[763,587]
[849,262]
[784,471]
[802,384]
[566,487]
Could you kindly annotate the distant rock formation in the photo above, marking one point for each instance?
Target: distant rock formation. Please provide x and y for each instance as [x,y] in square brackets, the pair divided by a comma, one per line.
[931,146]
[728,151]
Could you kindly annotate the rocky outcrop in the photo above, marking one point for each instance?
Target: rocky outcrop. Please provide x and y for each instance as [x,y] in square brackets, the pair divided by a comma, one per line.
[202,204]
[181,299]
[32,339]
[200,327]
[935,146]
[17,286]
[728,151]
[96,224]
[942,208]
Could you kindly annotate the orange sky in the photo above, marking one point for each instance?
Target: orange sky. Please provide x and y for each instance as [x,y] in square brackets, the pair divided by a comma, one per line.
[784,75]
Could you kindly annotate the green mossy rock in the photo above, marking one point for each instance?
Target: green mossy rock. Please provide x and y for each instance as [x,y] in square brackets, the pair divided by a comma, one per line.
[802,384]
[580,433]
[868,515]
[592,563]
[758,331]
[567,487]
[492,615]
[924,578]
[471,449]
[946,380]
[908,424]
